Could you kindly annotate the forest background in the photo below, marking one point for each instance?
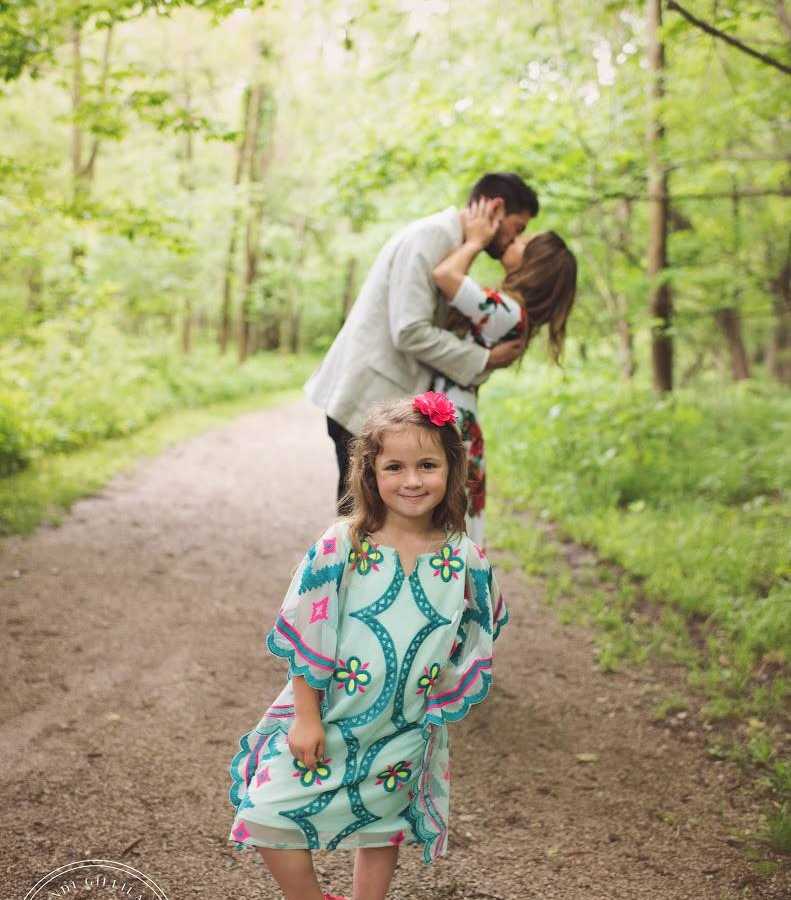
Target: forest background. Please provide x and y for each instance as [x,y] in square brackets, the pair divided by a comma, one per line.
[191,194]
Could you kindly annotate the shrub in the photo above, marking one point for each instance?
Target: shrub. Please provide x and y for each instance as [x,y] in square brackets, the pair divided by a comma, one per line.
[63,389]
[688,491]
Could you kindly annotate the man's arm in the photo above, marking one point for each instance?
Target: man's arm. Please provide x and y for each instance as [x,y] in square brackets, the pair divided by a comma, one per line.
[411,308]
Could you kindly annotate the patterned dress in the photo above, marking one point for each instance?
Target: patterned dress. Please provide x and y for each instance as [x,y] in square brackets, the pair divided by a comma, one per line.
[494,317]
[397,657]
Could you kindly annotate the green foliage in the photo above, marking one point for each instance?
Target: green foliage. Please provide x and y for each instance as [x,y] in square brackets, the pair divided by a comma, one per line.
[688,493]
[415,118]
[52,483]
[778,829]
[70,385]
[669,707]
[32,30]
[15,438]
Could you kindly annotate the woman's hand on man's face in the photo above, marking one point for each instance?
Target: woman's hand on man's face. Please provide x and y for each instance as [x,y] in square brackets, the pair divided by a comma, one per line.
[480,221]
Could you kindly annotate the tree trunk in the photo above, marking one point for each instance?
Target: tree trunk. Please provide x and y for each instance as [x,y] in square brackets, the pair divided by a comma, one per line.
[730,323]
[729,318]
[76,101]
[254,213]
[78,183]
[230,258]
[295,343]
[89,169]
[623,216]
[35,288]
[660,299]
[778,357]
[186,326]
[188,184]
[626,349]
[291,320]
[82,171]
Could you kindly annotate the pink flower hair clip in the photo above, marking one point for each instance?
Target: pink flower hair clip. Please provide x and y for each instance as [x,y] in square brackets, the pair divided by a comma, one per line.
[436,407]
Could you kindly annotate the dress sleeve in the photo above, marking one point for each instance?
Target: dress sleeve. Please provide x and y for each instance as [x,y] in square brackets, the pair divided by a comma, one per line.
[492,313]
[466,677]
[305,631]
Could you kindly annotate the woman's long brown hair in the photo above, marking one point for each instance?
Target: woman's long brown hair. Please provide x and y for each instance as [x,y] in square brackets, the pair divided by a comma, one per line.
[546,282]
[545,285]
[368,510]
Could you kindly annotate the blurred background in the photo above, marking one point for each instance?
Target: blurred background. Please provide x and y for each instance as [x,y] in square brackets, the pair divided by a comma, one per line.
[191,194]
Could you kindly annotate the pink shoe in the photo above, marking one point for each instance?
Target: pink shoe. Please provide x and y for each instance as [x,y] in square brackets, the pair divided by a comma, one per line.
[334,897]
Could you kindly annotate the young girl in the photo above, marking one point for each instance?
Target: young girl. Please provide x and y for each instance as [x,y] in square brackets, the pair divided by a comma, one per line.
[539,289]
[388,628]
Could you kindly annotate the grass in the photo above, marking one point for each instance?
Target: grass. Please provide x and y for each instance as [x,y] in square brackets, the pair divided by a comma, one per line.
[669,706]
[65,387]
[778,829]
[44,491]
[689,495]
[605,599]
[82,399]
[685,502]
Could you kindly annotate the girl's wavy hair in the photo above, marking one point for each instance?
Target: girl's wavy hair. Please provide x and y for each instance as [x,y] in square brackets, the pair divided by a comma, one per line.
[368,511]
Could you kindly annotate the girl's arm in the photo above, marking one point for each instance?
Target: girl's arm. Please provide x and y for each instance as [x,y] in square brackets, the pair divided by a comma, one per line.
[306,735]
[480,225]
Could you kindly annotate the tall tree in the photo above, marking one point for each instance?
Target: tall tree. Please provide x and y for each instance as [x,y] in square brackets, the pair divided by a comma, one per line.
[660,298]
[779,355]
[257,160]
[729,317]
[242,153]
[188,185]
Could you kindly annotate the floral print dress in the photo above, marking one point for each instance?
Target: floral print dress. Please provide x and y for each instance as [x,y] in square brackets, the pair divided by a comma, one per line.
[494,317]
[397,658]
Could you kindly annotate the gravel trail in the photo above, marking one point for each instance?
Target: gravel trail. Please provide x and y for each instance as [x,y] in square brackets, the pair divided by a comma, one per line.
[133,659]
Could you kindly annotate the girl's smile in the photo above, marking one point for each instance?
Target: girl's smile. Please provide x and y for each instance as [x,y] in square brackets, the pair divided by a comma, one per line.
[411,472]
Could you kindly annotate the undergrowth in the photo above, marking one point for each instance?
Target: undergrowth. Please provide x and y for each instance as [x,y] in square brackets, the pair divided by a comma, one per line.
[68,385]
[684,502]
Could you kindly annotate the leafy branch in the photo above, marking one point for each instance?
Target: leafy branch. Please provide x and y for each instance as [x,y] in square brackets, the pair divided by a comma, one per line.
[721,35]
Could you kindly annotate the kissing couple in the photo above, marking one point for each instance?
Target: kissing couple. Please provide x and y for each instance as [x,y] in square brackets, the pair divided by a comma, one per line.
[420,322]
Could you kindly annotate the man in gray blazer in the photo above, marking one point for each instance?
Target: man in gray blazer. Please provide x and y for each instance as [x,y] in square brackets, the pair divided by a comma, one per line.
[393,339]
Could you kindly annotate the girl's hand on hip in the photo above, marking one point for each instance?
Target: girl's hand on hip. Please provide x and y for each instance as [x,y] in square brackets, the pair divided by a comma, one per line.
[306,740]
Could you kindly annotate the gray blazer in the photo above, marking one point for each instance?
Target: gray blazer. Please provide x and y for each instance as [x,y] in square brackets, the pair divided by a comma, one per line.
[393,337]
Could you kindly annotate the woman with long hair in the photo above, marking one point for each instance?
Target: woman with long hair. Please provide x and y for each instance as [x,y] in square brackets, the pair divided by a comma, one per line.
[538,290]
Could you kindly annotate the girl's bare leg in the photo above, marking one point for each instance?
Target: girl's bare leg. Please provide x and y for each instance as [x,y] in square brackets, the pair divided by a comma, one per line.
[293,871]
[373,872]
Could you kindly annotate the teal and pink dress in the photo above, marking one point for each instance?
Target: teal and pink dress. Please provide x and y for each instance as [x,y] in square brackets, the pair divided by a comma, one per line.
[397,657]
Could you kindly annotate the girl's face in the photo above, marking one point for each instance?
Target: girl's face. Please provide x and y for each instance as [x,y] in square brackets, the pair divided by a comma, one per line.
[411,472]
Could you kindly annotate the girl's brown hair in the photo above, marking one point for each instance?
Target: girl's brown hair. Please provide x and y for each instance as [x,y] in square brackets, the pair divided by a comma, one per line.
[546,284]
[368,511]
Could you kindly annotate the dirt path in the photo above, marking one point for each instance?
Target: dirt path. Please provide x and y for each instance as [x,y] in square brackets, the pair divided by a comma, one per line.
[133,658]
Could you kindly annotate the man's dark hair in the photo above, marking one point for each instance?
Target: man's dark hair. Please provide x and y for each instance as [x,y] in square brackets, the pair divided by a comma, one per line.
[517,195]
